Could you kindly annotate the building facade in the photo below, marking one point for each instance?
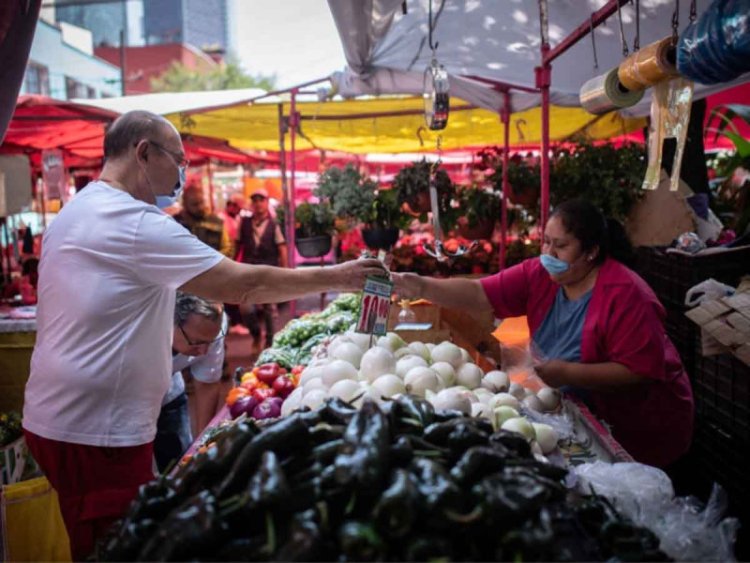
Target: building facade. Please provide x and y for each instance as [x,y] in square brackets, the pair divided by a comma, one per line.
[105,20]
[62,69]
[202,23]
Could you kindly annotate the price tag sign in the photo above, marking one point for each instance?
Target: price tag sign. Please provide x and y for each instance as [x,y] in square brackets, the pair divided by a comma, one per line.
[376,303]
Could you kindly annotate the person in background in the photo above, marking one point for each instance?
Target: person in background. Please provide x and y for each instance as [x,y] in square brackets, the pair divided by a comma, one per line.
[260,241]
[197,347]
[231,216]
[111,263]
[597,326]
[209,228]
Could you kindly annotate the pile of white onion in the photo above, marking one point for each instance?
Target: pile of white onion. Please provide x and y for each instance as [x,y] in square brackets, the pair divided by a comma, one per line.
[444,374]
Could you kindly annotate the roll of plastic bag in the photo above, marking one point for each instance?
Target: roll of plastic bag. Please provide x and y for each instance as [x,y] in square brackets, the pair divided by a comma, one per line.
[606,93]
[716,48]
[648,66]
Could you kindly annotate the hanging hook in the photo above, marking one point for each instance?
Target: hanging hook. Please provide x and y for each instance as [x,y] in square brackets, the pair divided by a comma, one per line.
[593,42]
[433,46]
[675,22]
[637,40]
[625,51]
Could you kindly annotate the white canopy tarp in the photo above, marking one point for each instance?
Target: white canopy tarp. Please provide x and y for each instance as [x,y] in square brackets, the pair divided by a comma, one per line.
[499,40]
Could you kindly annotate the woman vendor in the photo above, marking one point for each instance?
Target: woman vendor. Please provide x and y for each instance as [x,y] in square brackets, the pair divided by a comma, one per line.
[597,324]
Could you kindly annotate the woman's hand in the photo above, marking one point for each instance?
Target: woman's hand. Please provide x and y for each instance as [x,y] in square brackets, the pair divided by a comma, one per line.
[555,373]
[407,285]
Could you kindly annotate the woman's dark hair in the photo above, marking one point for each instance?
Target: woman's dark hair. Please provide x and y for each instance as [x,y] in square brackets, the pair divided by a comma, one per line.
[584,221]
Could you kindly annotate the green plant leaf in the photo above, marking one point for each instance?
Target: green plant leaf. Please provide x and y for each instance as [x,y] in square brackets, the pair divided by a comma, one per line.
[742,145]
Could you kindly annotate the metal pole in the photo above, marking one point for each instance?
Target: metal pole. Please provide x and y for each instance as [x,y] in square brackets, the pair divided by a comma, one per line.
[211,193]
[122,62]
[293,124]
[505,117]
[543,75]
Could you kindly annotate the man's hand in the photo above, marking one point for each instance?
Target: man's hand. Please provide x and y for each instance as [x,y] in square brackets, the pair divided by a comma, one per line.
[407,286]
[351,275]
[555,373]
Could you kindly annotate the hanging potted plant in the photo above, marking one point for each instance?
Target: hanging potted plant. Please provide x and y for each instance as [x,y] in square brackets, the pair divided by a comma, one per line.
[314,226]
[412,184]
[524,180]
[383,222]
[479,210]
[349,193]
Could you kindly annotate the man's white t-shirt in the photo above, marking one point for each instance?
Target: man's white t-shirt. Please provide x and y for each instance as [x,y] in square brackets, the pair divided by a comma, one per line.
[102,362]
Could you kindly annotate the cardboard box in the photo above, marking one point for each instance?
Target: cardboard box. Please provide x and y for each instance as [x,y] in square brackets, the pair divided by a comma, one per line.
[725,324]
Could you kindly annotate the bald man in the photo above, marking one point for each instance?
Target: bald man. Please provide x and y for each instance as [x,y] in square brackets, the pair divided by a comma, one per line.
[110,265]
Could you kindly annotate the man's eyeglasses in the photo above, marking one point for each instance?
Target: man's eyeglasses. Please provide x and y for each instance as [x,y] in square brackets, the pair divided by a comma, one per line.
[258,198]
[179,158]
[222,334]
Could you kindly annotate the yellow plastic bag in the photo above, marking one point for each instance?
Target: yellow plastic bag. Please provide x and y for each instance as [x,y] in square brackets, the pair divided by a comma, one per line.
[31,524]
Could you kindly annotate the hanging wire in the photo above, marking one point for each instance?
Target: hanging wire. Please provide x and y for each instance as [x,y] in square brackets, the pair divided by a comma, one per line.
[625,50]
[637,40]
[675,21]
[693,11]
[434,45]
[593,42]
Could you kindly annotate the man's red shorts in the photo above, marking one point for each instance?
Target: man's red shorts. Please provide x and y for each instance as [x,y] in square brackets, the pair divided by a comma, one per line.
[95,485]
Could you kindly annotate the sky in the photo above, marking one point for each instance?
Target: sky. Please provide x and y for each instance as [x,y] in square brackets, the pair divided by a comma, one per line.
[294,39]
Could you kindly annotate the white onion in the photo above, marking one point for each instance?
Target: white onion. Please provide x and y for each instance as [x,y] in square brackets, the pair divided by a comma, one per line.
[521,426]
[349,352]
[481,410]
[376,362]
[315,372]
[484,395]
[501,414]
[469,375]
[316,383]
[496,381]
[504,399]
[447,352]
[533,403]
[419,349]
[465,357]
[338,370]
[391,341]
[549,397]
[387,385]
[517,390]
[528,392]
[407,363]
[419,379]
[546,436]
[292,402]
[446,373]
[346,389]
[314,398]
[402,353]
[536,449]
[452,399]
[361,340]
[430,347]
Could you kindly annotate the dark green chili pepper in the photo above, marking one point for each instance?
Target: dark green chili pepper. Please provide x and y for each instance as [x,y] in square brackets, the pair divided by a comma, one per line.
[476,463]
[512,442]
[191,530]
[324,432]
[396,510]
[363,460]
[303,540]
[428,548]
[411,414]
[337,411]
[283,437]
[360,542]
[269,488]
[129,540]
[437,490]
[401,452]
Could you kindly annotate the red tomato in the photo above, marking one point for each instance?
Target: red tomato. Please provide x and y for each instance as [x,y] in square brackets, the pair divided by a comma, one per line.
[283,386]
[261,395]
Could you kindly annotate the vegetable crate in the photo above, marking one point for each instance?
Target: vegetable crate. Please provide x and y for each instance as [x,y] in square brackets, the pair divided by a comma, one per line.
[671,275]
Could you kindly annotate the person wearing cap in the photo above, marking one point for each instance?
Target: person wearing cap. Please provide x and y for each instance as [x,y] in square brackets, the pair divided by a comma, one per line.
[260,241]
[196,218]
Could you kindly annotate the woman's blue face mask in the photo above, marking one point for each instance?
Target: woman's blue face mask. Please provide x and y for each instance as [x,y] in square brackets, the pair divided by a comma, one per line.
[554,266]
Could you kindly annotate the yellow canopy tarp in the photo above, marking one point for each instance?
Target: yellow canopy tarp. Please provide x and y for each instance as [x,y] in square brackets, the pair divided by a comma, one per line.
[390,125]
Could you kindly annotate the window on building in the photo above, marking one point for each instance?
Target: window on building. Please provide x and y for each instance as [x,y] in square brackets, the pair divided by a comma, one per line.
[90,92]
[74,89]
[37,79]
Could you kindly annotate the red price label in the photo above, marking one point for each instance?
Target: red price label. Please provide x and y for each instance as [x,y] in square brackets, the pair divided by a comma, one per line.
[375,306]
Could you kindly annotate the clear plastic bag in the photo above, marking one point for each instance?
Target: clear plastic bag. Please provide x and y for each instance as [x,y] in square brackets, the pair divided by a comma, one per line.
[707,291]
[688,530]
